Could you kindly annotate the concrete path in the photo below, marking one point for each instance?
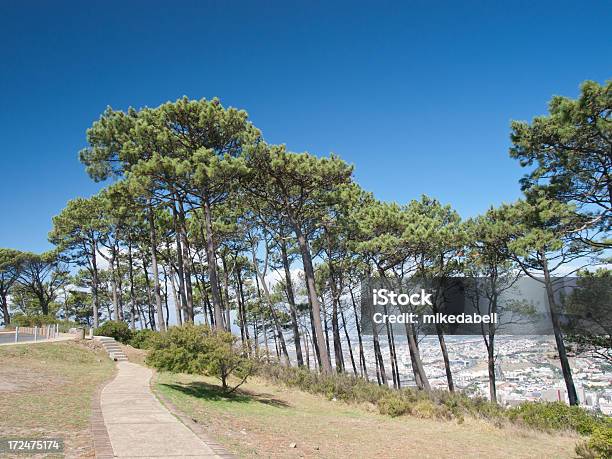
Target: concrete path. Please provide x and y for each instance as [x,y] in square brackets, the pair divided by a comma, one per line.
[139,425]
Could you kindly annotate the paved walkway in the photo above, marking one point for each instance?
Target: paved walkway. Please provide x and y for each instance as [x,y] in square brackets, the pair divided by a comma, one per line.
[139,425]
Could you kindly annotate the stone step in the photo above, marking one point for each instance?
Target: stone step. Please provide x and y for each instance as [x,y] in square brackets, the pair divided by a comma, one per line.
[112,348]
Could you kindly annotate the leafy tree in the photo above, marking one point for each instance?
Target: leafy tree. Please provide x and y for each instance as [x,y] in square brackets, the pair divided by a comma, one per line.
[436,237]
[571,151]
[78,232]
[541,244]
[492,272]
[196,349]
[301,187]
[115,329]
[379,241]
[79,307]
[10,269]
[183,151]
[42,277]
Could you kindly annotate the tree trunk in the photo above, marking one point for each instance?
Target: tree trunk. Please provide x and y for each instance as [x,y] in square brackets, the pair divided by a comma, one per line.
[132,294]
[114,287]
[442,341]
[380,364]
[187,264]
[212,266]
[180,267]
[177,304]
[119,286]
[5,311]
[244,329]
[491,368]
[228,308]
[315,345]
[166,298]
[362,360]
[565,365]
[325,326]
[292,308]
[348,340]
[277,326]
[415,358]
[313,298]
[392,355]
[95,287]
[339,357]
[158,301]
[149,298]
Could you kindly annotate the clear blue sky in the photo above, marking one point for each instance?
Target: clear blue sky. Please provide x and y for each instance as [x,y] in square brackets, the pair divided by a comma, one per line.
[418,96]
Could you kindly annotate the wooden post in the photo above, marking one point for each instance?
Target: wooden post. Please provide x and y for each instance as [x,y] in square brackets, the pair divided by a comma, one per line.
[36,333]
[17,333]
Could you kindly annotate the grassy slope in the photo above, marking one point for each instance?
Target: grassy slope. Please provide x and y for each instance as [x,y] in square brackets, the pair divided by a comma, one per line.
[46,391]
[264,420]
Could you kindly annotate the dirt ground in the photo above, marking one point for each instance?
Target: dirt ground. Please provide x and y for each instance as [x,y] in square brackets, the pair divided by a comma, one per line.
[270,421]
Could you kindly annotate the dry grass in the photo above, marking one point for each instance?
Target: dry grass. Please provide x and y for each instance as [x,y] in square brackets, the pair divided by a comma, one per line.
[46,391]
[133,354]
[266,420]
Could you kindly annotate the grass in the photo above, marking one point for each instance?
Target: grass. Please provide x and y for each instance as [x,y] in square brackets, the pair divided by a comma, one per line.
[46,391]
[269,420]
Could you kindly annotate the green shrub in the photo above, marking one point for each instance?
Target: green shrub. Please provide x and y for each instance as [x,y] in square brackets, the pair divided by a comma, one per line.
[197,349]
[555,416]
[114,329]
[394,405]
[142,339]
[437,404]
[601,441]
[434,404]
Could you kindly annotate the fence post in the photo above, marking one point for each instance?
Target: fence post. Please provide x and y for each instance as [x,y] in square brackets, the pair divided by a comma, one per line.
[36,333]
[17,333]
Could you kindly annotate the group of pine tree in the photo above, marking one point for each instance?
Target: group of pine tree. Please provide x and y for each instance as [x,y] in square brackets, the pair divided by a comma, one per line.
[200,213]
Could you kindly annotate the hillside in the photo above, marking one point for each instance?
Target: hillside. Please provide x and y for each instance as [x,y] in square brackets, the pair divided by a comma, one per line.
[46,390]
[273,421]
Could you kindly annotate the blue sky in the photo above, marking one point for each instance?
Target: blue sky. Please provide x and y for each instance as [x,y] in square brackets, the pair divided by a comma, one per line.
[417,95]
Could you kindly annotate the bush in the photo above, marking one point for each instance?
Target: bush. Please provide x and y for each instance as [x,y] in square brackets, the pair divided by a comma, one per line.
[599,446]
[434,404]
[115,329]
[394,405]
[601,441]
[556,416]
[196,349]
[22,320]
[142,339]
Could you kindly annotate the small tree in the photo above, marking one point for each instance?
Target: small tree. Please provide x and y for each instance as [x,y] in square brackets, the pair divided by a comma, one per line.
[196,349]
[10,269]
